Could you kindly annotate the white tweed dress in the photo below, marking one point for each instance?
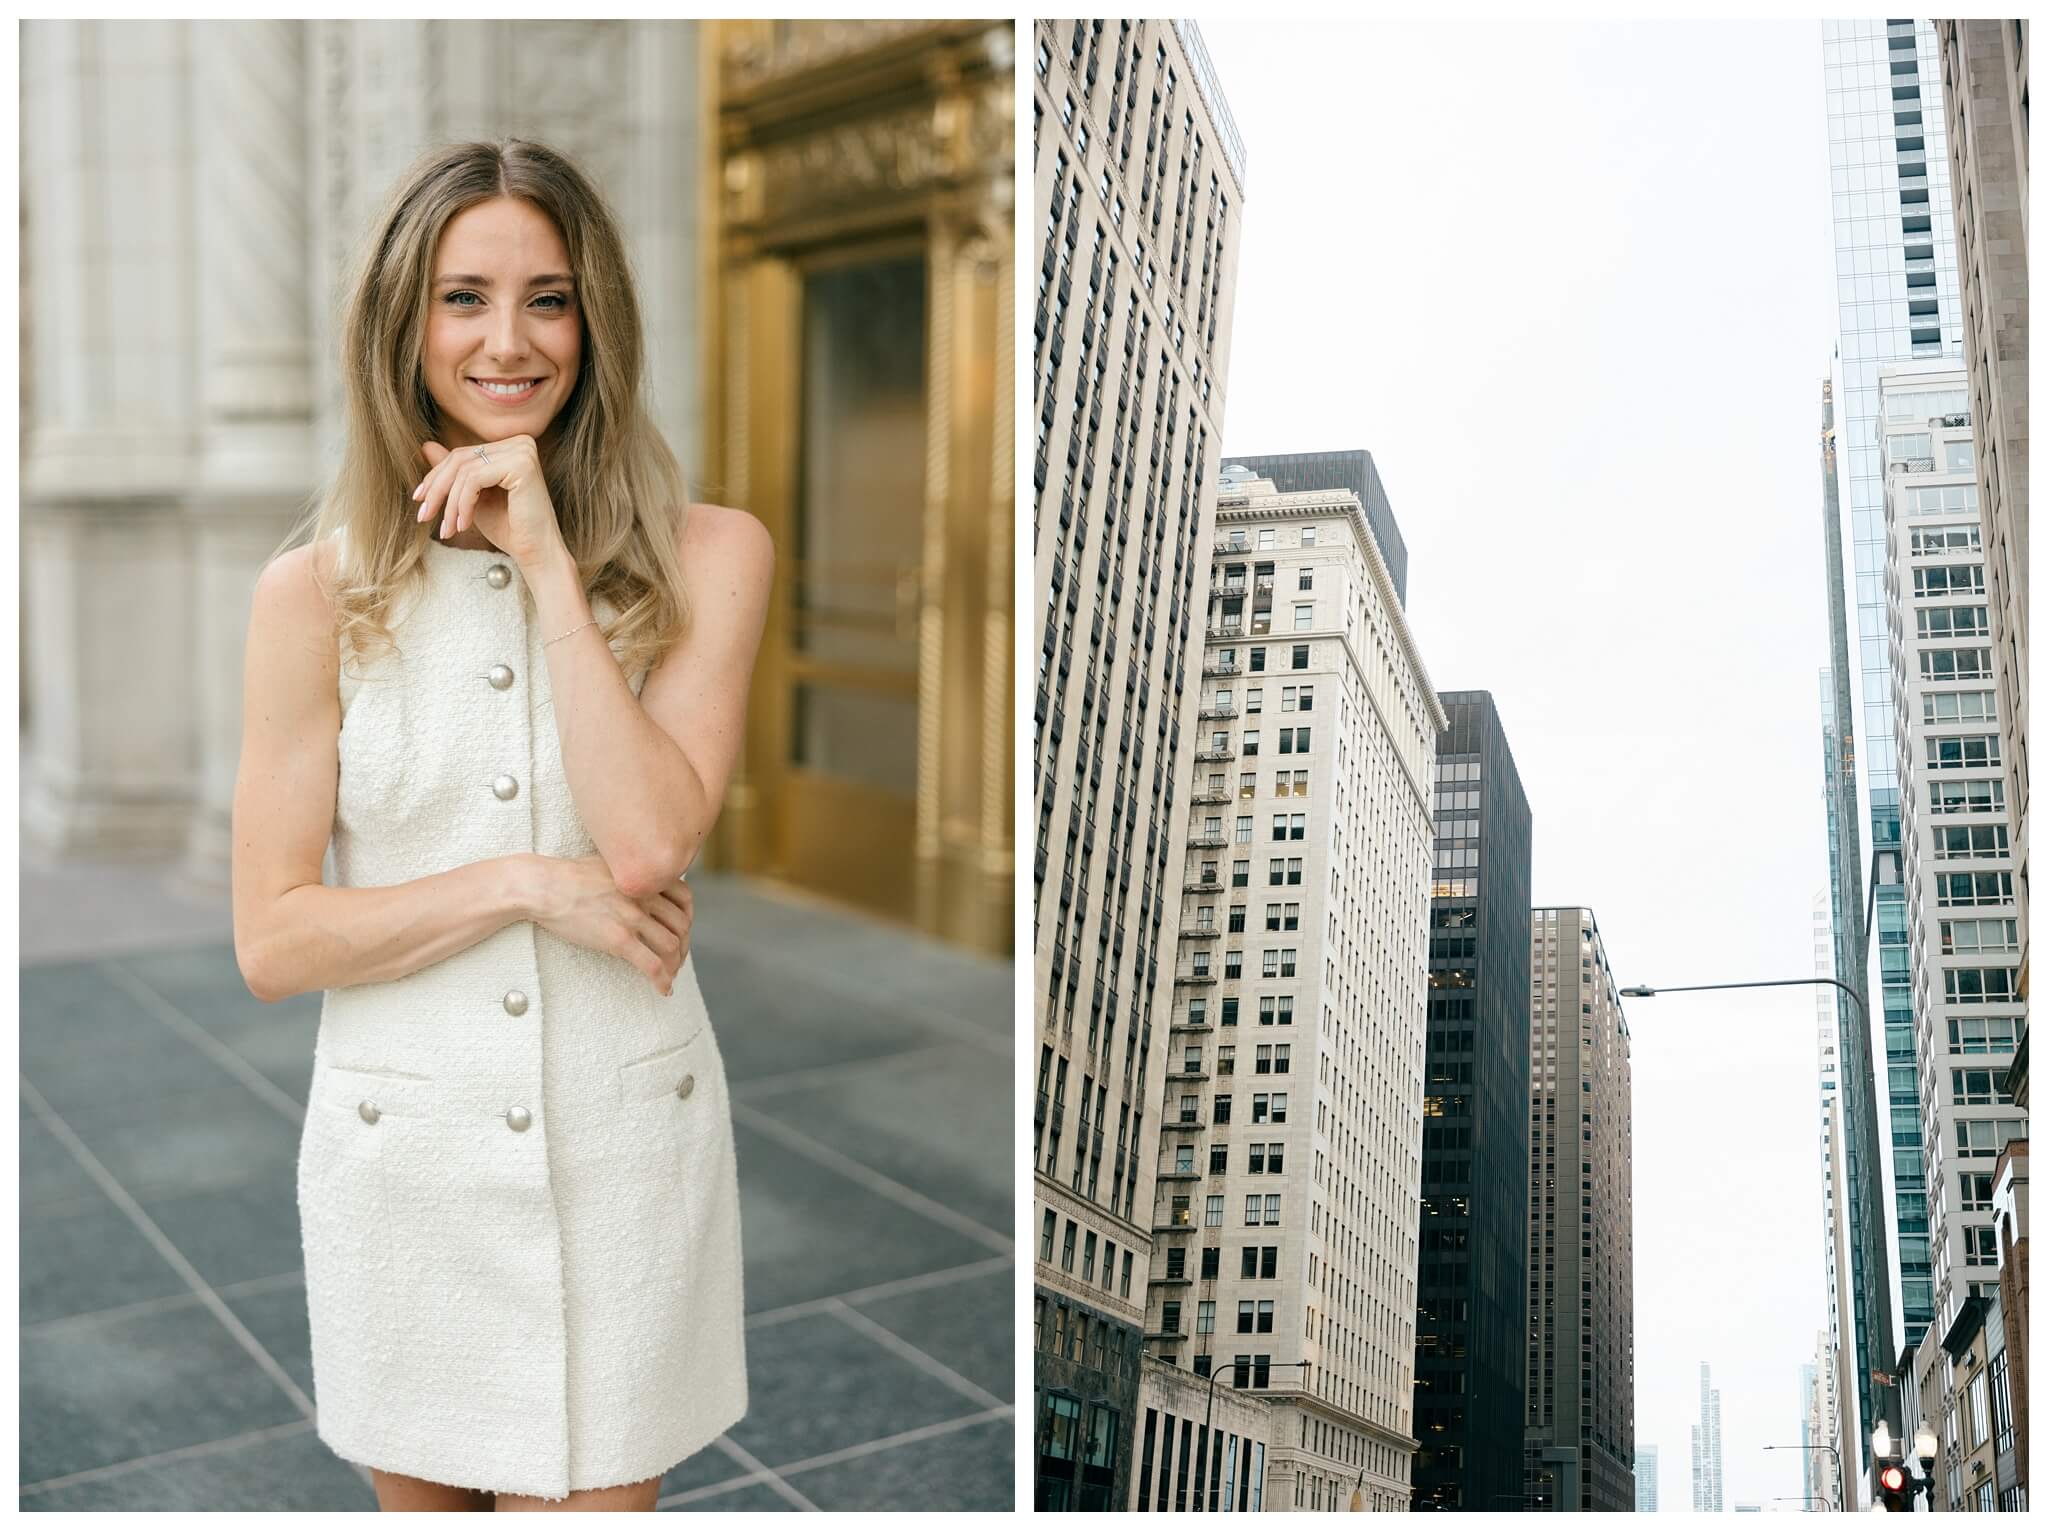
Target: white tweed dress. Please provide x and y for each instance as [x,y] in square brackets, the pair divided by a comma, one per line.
[517,1189]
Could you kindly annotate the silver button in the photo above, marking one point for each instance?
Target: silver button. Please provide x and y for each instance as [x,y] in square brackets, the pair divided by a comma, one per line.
[518,1118]
[515,1002]
[368,1112]
[501,676]
[683,1090]
[507,788]
[498,575]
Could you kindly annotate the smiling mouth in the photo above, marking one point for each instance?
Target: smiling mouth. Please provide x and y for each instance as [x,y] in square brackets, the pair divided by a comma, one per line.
[500,395]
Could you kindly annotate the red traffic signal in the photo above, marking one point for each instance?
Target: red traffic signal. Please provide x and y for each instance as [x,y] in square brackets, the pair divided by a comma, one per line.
[1892,1492]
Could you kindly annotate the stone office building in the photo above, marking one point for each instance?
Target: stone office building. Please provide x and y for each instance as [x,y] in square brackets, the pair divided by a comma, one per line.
[1289,1164]
[1138,195]
[1984,67]
[1581,1378]
[1956,828]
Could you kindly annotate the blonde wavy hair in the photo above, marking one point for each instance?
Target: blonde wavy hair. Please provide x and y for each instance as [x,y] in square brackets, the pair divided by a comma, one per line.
[618,491]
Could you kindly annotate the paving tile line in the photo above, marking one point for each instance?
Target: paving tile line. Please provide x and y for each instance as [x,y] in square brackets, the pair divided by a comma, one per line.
[871,1179]
[66,1206]
[189,1030]
[834,1458]
[923,1360]
[758,1471]
[260,1286]
[164,1458]
[172,1256]
[925,1281]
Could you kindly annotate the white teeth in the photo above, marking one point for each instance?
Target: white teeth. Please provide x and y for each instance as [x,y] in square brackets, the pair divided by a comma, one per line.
[503,388]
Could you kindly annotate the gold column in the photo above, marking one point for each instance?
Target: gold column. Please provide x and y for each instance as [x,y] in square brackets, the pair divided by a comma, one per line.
[877,765]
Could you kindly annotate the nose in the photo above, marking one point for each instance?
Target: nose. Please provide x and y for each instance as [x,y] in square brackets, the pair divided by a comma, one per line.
[506,341]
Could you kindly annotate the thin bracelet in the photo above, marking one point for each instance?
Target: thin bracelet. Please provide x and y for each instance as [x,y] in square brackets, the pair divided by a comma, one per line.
[572,631]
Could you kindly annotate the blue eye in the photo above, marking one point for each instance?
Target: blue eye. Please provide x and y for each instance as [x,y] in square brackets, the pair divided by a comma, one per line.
[560,303]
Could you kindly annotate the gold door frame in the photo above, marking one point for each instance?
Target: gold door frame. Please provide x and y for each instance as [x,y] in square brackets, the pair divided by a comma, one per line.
[837,142]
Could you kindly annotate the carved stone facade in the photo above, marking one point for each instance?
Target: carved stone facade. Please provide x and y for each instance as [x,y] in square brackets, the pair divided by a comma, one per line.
[191,195]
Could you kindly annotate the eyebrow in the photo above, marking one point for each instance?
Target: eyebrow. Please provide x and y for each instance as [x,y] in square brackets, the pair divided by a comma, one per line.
[554,278]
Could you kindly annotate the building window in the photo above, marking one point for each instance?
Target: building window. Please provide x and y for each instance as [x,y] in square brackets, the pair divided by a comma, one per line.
[1979,986]
[1304,616]
[1977,1087]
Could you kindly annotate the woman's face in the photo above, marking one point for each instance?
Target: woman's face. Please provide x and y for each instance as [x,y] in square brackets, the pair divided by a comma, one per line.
[502,309]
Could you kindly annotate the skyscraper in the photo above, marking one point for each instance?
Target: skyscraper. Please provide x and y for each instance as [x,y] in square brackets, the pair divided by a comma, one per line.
[1471,1327]
[1867,1322]
[1138,186]
[1580,1435]
[1290,1157]
[1836,1355]
[1984,87]
[1646,1480]
[1706,1446]
[1956,826]
[1896,300]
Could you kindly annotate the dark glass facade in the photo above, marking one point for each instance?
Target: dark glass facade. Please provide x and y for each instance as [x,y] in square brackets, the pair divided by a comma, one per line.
[1295,472]
[1471,1323]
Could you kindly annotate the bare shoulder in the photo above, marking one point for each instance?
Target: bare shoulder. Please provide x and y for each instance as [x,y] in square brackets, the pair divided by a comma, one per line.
[291,597]
[730,546]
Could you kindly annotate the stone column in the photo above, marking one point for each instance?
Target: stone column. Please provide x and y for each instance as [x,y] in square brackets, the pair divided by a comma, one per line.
[106,658]
[258,462]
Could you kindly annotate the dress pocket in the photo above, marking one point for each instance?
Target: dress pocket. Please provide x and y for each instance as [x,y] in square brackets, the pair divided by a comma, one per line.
[681,1071]
[347,1106]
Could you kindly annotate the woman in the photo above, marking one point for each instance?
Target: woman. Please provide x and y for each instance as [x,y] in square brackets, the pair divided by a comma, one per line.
[516,1183]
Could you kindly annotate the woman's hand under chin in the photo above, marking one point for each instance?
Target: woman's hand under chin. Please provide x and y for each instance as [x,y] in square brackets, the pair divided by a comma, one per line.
[502,493]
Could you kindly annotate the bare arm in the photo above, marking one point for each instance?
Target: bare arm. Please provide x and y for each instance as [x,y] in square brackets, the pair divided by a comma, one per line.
[294,934]
[648,773]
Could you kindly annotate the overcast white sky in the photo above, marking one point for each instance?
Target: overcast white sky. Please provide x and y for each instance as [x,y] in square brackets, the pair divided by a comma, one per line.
[1570,283]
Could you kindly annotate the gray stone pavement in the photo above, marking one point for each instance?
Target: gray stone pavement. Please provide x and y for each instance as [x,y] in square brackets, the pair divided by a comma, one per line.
[164,1354]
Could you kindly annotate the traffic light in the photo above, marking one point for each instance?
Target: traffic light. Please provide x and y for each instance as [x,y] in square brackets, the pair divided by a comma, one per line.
[1893,1494]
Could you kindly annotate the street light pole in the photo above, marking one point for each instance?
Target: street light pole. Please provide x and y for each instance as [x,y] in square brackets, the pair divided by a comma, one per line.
[1831,1451]
[1644,991]
[1251,1367]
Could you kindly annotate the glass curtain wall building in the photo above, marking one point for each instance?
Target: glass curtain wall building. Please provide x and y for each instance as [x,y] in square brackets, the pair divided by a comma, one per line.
[1862,1203]
[1894,239]
[1471,1325]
